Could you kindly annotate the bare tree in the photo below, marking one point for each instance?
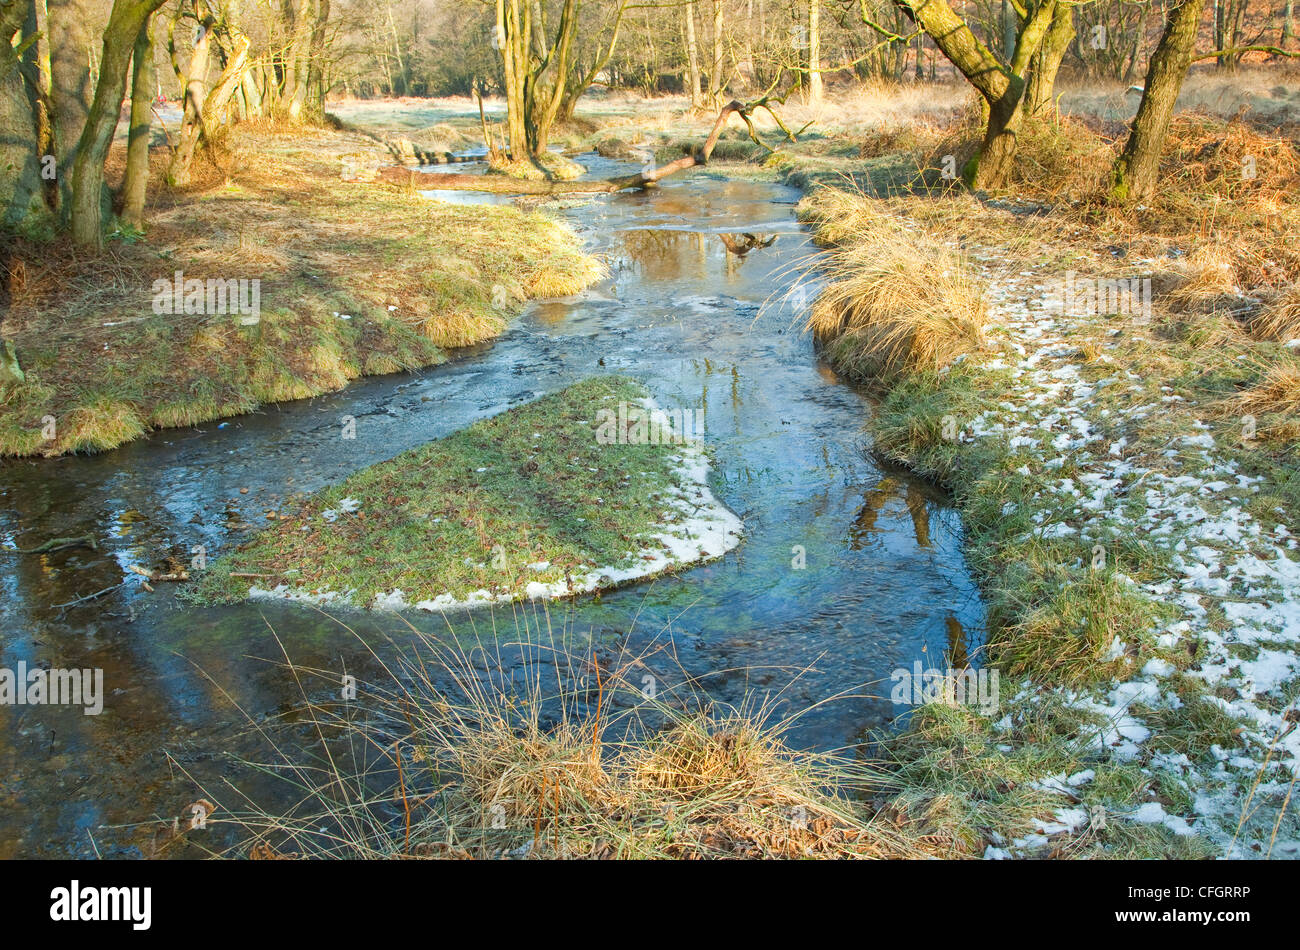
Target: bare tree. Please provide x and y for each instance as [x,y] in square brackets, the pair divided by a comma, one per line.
[1134,174]
[1001,85]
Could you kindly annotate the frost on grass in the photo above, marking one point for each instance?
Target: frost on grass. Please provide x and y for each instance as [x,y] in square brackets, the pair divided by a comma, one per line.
[1142,589]
[1222,662]
[528,504]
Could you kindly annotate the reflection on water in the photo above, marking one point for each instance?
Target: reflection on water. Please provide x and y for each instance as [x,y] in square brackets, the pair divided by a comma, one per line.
[846,572]
[889,490]
[958,656]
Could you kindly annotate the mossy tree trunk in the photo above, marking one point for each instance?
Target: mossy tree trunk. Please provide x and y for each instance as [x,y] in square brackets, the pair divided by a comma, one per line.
[1000,85]
[1133,177]
[124,25]
[1040,91]
[136,182]
[20,179]
[72,37]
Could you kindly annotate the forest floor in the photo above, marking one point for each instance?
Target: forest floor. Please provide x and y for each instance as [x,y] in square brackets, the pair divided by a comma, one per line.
[335,279]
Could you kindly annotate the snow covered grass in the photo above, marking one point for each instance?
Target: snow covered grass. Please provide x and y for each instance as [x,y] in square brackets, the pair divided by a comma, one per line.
[1133,535]
[528,504]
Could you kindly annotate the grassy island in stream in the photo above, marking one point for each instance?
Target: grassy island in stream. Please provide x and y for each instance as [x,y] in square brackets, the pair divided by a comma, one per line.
[548,499]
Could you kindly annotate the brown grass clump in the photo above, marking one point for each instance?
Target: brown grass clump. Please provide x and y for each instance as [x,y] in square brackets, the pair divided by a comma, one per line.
[1268,407]
[1278,391]
[529,771]
[1280,320]
[898,301]
[570,760]
[1208,276]
[837,216]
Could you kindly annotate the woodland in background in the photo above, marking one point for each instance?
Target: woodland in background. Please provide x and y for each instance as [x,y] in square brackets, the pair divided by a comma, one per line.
[68,66]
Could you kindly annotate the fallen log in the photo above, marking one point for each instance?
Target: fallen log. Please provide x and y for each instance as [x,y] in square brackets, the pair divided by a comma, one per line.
[59,544]
[646,178]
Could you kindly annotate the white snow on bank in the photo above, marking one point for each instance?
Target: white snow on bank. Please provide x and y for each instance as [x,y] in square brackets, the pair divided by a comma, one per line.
[705,531]
[1191,503]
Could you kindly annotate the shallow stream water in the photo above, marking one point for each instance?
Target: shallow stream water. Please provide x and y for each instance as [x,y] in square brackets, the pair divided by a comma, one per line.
[883,585]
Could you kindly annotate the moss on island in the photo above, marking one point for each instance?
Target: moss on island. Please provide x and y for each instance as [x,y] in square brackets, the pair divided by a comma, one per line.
[585,489]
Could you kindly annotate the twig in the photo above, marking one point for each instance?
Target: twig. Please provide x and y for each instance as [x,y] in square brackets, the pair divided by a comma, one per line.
[82,600]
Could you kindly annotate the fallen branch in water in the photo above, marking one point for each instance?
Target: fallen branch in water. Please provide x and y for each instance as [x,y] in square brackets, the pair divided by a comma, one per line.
[58,544]
[82,600]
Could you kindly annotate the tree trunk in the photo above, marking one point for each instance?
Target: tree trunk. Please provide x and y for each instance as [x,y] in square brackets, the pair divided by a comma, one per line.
[1009,30]
[194,80]
[815,52]
[316,68]
[1133,177]
[71,26]
[252,95]
[20,165]
[1040,91]
[999,86]
[296,69]
[693,57]
[41,83]
[513,41]
[715,70]
[124,25]
[136,183]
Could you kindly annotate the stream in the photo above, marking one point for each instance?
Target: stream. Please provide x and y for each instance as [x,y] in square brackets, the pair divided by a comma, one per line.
[883,584]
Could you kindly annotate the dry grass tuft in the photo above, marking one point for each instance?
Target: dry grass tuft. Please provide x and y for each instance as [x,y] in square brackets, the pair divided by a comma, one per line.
[1208,276]
[897,300]
[570,759]
[1280,320]
[1278,391]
